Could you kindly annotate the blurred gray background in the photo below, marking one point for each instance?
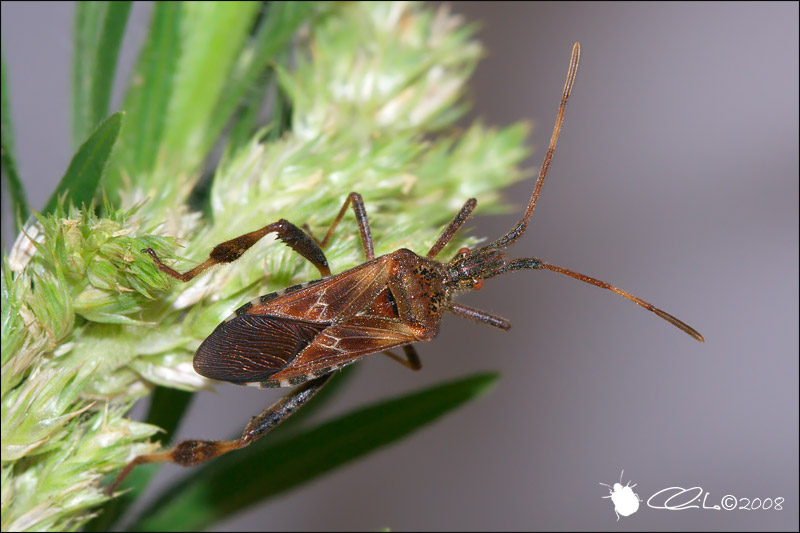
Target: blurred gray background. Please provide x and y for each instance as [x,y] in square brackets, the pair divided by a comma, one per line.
[676,178]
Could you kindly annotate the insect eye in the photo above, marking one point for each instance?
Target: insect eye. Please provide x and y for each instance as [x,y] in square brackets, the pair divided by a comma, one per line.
[463,251]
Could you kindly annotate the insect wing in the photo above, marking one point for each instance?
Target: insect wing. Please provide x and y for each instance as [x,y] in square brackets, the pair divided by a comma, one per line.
[266,336]
[342,344]
[250,348]
[335,298]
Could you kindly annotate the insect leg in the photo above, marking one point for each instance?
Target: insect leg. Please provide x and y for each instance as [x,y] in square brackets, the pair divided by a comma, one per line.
[453,227]
[231,250]
[412,359]
[480,316]
[363,224]
[195,452]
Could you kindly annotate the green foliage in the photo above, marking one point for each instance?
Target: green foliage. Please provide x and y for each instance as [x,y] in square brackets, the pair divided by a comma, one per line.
[83,175]
[19,202]
[99,27]
[364,99]
[236,481]
[148,96]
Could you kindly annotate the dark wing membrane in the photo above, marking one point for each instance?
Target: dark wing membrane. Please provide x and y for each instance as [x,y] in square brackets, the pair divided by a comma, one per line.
[251,348]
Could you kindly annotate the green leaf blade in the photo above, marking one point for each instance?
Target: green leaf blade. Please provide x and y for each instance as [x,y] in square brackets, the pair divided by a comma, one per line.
[19,201]
[147,100]
[112,30]
[99,29]
[83,175]
[215,33]
[88,17]
[239,480]
[270,42]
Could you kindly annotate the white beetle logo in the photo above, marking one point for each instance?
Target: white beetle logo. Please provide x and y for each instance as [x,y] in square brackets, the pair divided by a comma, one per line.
[626,502]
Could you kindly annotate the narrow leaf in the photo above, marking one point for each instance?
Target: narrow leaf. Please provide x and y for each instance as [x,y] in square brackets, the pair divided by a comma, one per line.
[112,30]
[233,482]
[156,70]
[88,17]
[80,182]
[5,105]
[214,35]
[19,202]
[272,37]
[148,98]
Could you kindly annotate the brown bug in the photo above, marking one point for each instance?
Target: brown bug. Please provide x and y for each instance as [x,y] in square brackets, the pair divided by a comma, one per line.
[301,334]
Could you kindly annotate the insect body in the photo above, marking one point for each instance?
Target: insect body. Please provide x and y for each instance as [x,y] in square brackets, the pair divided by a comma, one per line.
[626,502]
[300,335]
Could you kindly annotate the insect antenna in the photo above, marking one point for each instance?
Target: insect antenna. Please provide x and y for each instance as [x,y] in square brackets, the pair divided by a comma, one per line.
[519,229]
[537,264]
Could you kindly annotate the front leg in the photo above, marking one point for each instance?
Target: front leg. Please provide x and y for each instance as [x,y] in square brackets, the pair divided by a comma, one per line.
[231,250]
[195,452]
